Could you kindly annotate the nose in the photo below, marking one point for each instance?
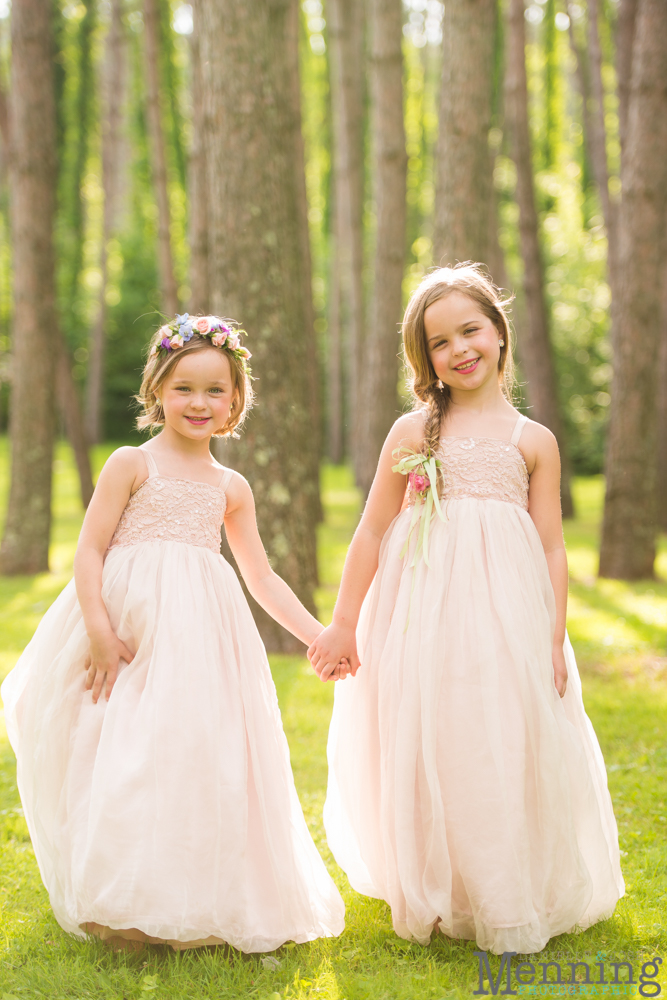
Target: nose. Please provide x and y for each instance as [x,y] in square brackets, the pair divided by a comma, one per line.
[460,346]
[198,401]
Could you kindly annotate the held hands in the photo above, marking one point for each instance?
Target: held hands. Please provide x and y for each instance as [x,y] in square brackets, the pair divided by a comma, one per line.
[334,653]
[560,669]
[102,661]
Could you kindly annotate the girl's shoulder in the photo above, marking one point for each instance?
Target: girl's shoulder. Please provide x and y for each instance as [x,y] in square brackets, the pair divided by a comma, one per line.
[126,463]
[537,444]
[408,430]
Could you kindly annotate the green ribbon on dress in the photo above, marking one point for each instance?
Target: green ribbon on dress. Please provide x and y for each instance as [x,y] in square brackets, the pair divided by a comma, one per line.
[412,464]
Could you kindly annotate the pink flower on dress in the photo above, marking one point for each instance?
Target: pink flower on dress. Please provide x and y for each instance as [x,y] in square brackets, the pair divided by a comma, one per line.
[219,340]
[203,324]
[176,341]
[418,483]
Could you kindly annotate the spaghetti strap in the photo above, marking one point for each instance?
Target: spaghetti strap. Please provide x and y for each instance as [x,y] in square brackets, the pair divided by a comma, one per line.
[518,428]
[150,463]
[226,479]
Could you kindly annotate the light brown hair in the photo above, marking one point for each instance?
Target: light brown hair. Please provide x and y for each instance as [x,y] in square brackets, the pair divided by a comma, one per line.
[159,366]
[471,280]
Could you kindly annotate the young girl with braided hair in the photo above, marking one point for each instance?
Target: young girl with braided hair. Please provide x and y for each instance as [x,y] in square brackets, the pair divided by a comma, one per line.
[466,784]
[152,764]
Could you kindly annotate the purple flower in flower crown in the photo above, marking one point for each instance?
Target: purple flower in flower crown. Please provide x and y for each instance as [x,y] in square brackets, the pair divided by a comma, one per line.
[165,343]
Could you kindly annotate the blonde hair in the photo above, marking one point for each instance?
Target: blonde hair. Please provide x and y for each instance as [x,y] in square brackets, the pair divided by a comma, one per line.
[159,366]
[468,279]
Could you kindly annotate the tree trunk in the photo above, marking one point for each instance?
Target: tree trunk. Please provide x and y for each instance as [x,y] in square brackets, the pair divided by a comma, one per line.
[70,407]
[625,34]
[345,20]
[33,177]
[598,141]
[159,157]
[199,285]
[464,168]
[630,516]
[389,171]
[535,347]
[113,80]
[662,413]
[335,448]
[259,268]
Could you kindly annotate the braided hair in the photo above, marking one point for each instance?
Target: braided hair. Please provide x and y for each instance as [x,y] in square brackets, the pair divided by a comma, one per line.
[428,393]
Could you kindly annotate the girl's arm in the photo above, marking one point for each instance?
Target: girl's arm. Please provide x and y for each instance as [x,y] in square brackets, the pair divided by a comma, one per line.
[384,503]
[543,462]
[122,474]
[268,589]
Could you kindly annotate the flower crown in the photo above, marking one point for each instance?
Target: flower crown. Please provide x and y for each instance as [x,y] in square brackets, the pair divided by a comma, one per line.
[182,329]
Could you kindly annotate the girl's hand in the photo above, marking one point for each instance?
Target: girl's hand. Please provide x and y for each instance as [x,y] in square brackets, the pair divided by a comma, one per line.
[102,661]
[335,644]
[560,669]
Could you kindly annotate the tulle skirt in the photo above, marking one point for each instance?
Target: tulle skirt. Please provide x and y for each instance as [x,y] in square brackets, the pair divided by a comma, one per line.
[462,789]
[169,812]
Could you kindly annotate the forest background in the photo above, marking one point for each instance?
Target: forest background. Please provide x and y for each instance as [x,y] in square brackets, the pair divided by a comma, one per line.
[300,168]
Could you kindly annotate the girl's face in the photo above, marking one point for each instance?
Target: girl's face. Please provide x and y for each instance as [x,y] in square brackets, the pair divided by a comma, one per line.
[198,394]
[462,342]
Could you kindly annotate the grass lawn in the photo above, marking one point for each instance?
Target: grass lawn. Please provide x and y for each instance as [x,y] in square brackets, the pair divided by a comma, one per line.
[619,634]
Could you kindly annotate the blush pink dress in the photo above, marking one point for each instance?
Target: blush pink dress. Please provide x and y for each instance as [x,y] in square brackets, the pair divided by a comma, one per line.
[462,789]
[168,813]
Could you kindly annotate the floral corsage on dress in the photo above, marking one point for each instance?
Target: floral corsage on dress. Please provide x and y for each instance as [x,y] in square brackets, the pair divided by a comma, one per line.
[422,472]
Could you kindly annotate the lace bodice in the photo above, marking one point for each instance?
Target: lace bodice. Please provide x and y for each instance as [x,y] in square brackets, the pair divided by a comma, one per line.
[165,509]
[485,468]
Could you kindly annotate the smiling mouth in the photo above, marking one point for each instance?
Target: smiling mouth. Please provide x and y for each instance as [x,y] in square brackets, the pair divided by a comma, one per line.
[467,366]
[198,420]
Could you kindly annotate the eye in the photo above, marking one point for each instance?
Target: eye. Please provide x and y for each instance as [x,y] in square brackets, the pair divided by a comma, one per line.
[182,388]
[471,329]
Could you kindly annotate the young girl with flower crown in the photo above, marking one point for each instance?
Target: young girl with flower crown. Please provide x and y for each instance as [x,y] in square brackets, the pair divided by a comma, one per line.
[466,784]
[152,764]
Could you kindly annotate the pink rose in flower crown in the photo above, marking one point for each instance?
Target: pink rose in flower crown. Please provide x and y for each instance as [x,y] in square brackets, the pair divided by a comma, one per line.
[418,483]
[165,331]
[244,352]
[203,324]
[234,342]
[176,341]
[219,339]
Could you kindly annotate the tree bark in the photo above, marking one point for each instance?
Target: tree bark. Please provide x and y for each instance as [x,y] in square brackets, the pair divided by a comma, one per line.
[33,177]
[199,284]
[464,168]
[625,35]
[260,270]
[389,168]
[335,447]
[535,346]
[598,141]
[346,28]
[113,88]
[630,515]
[662,412]
[70,407]
[159,157]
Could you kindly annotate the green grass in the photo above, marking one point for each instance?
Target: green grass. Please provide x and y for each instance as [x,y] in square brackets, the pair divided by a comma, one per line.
[618,630]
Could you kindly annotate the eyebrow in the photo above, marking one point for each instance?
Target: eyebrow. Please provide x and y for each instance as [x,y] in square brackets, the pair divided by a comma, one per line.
[187,381]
